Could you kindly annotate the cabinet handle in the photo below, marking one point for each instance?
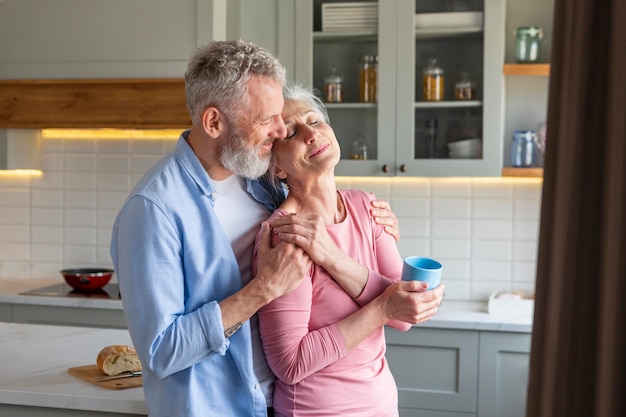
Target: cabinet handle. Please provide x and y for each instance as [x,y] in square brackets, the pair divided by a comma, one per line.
[403,168]
[385,168]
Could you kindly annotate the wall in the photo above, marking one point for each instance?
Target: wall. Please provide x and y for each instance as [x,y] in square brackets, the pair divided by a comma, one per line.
[484,230]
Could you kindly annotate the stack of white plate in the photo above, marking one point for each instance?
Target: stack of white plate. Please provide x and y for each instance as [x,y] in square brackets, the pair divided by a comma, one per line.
[469,148]
[353,16]
[448,20]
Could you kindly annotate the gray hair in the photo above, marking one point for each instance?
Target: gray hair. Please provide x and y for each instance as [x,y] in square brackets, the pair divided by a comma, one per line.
[218,75]
[308,97]
[312,99]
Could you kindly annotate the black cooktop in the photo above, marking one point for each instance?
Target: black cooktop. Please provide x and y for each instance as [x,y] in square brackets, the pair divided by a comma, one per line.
[109,291]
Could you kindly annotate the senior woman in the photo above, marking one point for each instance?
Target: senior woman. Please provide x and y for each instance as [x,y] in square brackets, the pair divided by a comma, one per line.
[325,340]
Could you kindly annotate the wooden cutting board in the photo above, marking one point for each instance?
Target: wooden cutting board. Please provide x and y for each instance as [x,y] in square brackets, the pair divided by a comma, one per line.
[90,373]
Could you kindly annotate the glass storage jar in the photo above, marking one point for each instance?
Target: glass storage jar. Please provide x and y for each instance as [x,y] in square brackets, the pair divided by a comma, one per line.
[333,86]
[432,81]
[523,148]
[465,89]
[528,44]
[368,77]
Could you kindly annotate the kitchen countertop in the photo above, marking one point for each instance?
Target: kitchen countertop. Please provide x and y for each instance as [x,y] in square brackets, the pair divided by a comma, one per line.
[459,315]
[10,290]
[35,360]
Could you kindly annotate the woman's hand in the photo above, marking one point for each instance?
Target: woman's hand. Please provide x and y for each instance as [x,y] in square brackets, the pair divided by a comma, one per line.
[410,302]
[309,233]
[384,216]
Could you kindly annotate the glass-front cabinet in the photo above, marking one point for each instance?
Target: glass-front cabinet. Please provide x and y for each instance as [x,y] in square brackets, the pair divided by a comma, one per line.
[412,87]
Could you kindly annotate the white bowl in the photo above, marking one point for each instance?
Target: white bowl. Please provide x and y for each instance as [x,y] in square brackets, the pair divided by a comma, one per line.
[465,145]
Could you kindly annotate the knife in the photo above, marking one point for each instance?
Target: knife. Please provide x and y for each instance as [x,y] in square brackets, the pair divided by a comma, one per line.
[124,375]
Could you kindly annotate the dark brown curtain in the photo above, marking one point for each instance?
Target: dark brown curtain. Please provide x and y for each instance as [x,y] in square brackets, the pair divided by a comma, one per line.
[578,357]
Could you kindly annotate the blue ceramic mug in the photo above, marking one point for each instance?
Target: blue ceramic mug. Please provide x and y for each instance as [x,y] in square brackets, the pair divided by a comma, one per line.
[417,268]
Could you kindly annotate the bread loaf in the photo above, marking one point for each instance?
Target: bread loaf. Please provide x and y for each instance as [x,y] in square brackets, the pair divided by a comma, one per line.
[116,359]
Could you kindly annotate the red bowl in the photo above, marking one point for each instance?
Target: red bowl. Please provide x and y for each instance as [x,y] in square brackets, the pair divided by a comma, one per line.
[87,279]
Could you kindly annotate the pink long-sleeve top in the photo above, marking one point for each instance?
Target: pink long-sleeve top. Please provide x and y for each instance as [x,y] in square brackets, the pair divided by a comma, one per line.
[316,375]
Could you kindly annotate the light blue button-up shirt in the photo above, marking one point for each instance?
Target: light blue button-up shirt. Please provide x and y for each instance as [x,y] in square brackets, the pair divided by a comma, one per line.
[173,263]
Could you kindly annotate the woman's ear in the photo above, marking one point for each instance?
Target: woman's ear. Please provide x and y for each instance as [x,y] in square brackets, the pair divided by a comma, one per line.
[212,122]
[278,172]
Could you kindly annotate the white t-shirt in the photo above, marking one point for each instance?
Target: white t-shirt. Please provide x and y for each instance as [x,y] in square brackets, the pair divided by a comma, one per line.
[241,217]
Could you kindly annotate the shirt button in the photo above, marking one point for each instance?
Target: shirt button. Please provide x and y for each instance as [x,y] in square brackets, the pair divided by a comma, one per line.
[213,195]
[256,386]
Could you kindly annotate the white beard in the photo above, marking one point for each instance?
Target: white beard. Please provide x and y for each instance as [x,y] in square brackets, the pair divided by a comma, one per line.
[239,158]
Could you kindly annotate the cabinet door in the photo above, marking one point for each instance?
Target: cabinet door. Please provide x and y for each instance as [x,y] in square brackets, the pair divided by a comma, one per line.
[462,47]
[503,377]
[5,312]
[435,370]
[104,39]
[369,123]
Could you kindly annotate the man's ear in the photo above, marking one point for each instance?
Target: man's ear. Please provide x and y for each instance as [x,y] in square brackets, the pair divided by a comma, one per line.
[213,122]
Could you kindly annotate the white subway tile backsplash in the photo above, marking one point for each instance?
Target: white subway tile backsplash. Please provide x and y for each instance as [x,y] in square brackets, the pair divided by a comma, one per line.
[526,230]
[447,187]
[80,218]
[52,162]
[80,199]
[450,248]
[80,163]
[139,164]
[79,256]
[527,209]
[47,253]
[80,181]
[456,269]
[111,200]
[14,251]
[491,271]
[47,216]
[47,234]
[410,207]
[85,146]
[113,146]
[112,181]
[450,208]
[492,229]
[492,209]
[499,250]
[483,230]
[451,228]
[47,198]
[525,251]
[455,289]
[14,215]
[16,233]
[487,188]
[413,246]
[119,164]
[50,180]
[410,188]
[524,272]
[74,235]
[146,146]
[414,227]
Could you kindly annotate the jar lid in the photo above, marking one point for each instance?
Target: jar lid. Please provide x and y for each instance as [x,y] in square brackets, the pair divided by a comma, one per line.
[530,30]
[369,58]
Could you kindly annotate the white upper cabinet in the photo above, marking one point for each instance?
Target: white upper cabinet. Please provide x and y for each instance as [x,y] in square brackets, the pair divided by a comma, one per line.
[42,39]
[395,129]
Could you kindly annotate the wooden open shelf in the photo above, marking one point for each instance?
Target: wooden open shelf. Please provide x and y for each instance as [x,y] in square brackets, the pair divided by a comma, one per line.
[527,69]
[97,103]
[522,172]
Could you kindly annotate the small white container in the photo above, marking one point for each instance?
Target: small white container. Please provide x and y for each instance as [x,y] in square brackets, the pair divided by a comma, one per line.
[499,303]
